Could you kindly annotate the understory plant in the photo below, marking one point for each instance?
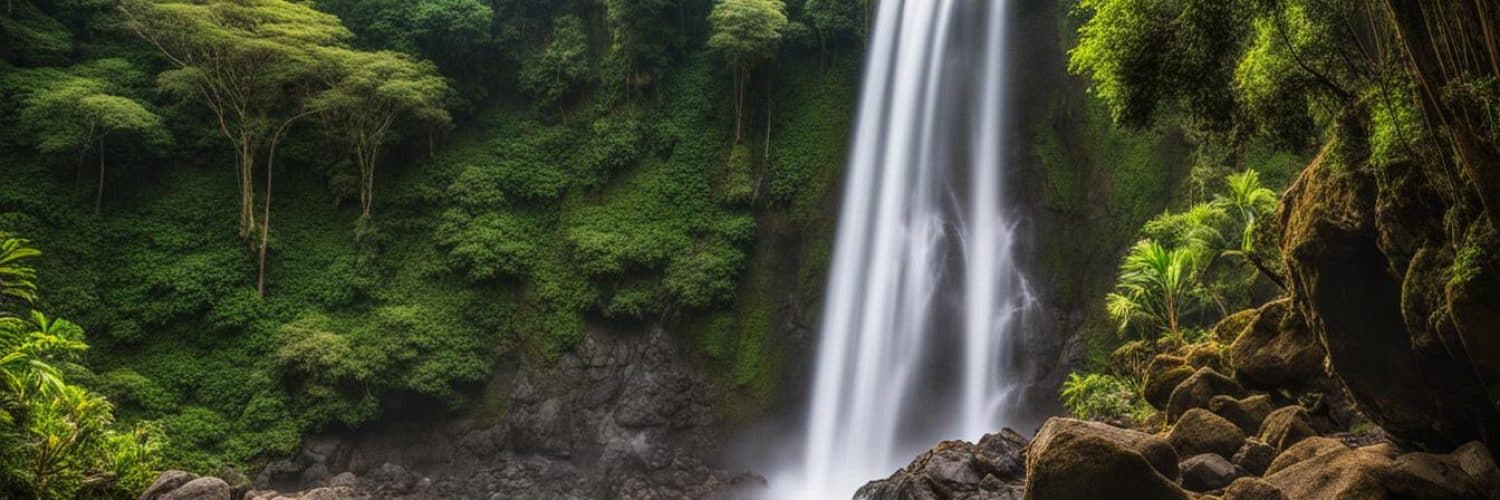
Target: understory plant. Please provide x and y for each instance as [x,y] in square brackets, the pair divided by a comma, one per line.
[57,440]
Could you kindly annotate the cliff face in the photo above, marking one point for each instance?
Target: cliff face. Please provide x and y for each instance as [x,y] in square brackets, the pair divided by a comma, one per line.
[1401,288]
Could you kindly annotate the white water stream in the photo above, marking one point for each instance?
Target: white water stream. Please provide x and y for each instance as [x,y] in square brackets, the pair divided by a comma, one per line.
[924,297]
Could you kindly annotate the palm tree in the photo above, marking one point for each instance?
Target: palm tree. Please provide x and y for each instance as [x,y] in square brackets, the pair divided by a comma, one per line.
[1155,287]
[1250,200]
[17,281]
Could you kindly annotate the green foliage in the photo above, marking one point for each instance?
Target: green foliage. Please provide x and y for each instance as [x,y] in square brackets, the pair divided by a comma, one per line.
[1174,271]
[448,32]
[17,280]
[1155,287]
[835,20]
[747,32]
[1141,54]
[1097,396]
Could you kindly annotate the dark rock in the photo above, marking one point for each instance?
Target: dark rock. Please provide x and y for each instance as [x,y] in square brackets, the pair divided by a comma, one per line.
[1252,488]
[1076,460]
[203,488]
[166,482]
[622,415]
[1247,413]
[1277,349]
[1208,472]
[1163,375]
[1254,456]
[1285,427]
[1199,431]
[992,469]
[1196,392]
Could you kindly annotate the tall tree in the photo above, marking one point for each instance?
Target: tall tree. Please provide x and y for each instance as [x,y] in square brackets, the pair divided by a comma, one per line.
[369,95]
[746,33]
[238,58]
[75,113]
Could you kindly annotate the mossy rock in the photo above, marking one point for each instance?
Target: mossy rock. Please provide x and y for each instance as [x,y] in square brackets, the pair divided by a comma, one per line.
[1162,376]
[1199,432]
[1277,349]
[1198,390]
[1077,460]
[1304,450]
[1248,413]
[1252,488]
[1229,328]
[1286,427]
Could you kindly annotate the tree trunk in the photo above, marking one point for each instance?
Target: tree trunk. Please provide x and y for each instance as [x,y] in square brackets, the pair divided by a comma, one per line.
[265,223]
[767,151]
[738,104]
[99,191]
[247,187]
[1434,66]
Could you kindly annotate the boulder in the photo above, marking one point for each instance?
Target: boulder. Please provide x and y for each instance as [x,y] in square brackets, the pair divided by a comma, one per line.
[1307,449]
[1162,376]
[1206,355]
[1247,413]
[1229,328]
[1252,488]
[1285,427]
[1337,474]
[1077,460]
[992,469]
[166,482]
[1199,431]
[203,488]
[1254,456]
[1197,390]
[1208,472]
[1467,473]
[1277,349]
[325,493]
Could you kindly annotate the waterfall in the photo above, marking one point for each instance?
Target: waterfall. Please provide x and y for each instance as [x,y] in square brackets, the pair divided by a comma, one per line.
[924,301]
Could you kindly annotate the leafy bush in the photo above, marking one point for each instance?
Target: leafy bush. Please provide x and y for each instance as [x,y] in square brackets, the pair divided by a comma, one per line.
[1098,396]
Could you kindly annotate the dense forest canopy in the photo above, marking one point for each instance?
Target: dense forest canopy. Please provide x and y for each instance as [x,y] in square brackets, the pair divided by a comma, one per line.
[275,216]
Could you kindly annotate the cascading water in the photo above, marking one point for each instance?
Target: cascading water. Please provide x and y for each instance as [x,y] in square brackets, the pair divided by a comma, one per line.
[923,251]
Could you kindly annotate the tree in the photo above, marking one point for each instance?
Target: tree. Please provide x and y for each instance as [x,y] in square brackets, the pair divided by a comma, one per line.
[368,95]
[238,58]
[1155,286]
[74,113]
[642,32]
[746,33]
[561,67]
